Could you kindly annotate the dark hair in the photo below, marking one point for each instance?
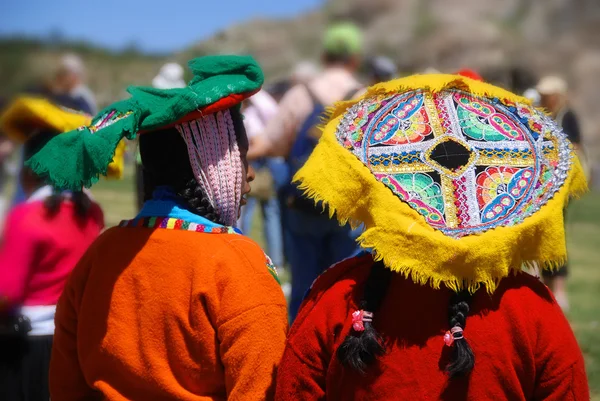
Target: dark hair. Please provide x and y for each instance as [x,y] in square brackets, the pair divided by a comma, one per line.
[279,88]
[462,359]
[80,200]
[337,58]
[52,204]
[361,349]
[165,162]
[36,142]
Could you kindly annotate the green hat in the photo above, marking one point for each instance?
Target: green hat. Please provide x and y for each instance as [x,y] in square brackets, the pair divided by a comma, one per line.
[77,158]
[343,38]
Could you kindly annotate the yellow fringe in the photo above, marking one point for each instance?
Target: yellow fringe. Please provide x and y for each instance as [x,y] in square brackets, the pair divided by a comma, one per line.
[399,235]
[433,83]
[31,112]
[28,112]
[117,166]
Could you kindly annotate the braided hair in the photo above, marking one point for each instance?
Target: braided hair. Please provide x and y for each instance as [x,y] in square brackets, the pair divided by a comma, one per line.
[462,358]
[80,200]
[165,162]
[361,349]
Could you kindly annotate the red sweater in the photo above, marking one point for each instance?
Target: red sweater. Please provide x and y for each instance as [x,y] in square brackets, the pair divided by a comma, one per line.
[524,347]
[38,252]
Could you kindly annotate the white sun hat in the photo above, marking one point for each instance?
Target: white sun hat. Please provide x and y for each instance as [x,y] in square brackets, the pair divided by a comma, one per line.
[170,76]
[551,85]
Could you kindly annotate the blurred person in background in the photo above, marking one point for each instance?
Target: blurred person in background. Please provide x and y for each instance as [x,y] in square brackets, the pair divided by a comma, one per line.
[380,69]
[69,81]
[279,88]
[65,88]
[312,240]
[7,148]
[170,76]
[534,96]
[280,172]
[524,81]
[304,72]
[257,111]
[174,303]
[554,98]
[44,237]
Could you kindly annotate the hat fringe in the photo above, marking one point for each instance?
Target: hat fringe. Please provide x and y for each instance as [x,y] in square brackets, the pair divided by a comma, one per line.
[90,154]
[400,236]
[433,83]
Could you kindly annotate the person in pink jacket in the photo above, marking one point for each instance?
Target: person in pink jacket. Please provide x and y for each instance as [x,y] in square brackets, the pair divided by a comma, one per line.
[43,240]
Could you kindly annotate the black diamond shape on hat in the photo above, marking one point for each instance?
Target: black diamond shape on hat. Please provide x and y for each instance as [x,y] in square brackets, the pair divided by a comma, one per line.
[451,155]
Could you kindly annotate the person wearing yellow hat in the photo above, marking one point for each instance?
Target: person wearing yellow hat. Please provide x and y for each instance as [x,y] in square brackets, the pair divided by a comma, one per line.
[460,184]
[312,240]
[43,239]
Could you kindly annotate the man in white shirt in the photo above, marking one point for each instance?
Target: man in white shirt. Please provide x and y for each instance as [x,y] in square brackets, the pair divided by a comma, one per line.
[70,81]
[341,59]
[258,110]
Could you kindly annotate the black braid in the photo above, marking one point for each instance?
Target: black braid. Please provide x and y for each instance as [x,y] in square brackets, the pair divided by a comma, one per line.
[361,349]
[462,358]
[195,197]
[82,203]
[52,204]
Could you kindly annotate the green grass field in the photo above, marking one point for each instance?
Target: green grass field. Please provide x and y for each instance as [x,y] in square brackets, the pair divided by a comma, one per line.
[583,234]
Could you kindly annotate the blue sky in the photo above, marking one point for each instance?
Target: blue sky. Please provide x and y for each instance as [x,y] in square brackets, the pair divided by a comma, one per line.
[156,26]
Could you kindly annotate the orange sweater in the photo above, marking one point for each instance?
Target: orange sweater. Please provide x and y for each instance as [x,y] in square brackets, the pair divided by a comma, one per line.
[158,314]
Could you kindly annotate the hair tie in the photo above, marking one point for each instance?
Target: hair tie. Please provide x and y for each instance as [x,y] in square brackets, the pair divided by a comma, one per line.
[455,333]
[359,317]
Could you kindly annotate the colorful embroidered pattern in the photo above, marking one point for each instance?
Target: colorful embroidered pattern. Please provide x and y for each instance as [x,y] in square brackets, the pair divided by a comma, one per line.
[106,120]
[272,268]
[175,224]
[179,224]
[467,164]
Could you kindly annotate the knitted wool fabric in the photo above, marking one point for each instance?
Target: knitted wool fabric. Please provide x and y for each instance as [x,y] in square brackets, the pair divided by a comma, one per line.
[77,158]
[215,159]
[28,114]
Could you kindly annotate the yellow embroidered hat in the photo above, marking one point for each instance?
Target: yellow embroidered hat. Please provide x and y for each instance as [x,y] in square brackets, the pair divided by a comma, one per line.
[456,181]
[27,114]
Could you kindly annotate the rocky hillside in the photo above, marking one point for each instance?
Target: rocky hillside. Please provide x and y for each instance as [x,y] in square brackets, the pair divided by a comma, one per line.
[512,42]
[23,62]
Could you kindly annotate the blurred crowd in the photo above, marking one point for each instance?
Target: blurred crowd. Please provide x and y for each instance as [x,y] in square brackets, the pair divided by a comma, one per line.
[282,123]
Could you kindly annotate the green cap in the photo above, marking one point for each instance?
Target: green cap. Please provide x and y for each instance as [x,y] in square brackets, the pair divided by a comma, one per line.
[77,158]
[343,38]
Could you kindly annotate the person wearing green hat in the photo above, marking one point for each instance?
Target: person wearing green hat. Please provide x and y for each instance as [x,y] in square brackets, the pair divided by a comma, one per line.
[174,304]
[312,240]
